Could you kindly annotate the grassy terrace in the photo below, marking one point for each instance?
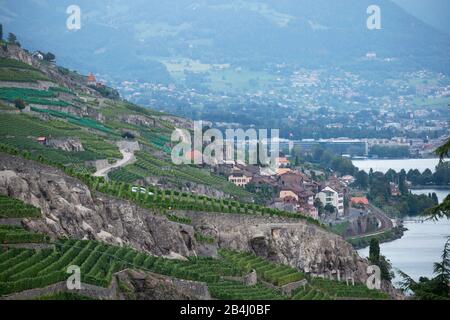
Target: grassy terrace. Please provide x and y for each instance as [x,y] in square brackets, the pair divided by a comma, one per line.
[22,269]
[17,71]
[278,275]
[14,235]
[13,208]
[154,198]
[20,131]
[83,122]
[147,165]
[32,96]
[342,290]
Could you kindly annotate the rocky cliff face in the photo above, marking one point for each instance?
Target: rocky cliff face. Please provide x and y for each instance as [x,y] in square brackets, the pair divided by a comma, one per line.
[69,209]
[296,243]
[66,144]
[138,285]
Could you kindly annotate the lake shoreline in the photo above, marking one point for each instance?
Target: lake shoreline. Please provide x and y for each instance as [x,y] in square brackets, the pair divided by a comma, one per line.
[421,187]
[383,165]
[388,236]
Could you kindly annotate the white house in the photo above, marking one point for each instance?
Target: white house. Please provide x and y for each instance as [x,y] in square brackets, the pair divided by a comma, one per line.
[330,196]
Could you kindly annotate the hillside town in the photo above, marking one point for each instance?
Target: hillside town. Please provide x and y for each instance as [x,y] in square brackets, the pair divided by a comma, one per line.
[292,189]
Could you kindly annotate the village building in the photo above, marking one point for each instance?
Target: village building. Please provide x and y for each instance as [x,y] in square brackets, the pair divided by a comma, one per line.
[282,171]
[348,179]
[38,55]
[329,196]
[91,81]
[394,189]
[282,162]
[240,179]
[359,202]
[42,140]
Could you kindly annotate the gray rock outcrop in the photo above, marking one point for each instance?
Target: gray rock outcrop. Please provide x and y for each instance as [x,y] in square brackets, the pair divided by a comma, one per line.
[70,209]
[297,243]
[66,144]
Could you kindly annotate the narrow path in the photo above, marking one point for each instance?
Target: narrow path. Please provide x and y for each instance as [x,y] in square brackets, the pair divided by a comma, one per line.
[128,157]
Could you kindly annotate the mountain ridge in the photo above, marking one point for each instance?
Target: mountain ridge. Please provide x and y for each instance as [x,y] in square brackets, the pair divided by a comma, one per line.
[222,32]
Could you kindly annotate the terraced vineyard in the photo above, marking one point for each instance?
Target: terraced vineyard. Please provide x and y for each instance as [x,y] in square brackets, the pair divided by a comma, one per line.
[15,235]
[12,63]
[278,275]
[147,165]
[32,96]
[231,290]
[84,122]
[342,290]
[309,293]
[13,208]
[20,131]
[22,269]
[153,198]
[17,71]
[17,75]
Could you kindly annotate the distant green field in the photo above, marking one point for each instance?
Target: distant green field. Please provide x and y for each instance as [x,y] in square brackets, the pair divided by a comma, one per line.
[240,80]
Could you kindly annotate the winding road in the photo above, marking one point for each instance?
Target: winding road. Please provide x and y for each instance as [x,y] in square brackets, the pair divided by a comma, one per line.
[128,157]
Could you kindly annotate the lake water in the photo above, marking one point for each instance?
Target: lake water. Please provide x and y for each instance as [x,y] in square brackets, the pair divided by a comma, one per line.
[418,249]
[420,246]
[383,165]
[422,243]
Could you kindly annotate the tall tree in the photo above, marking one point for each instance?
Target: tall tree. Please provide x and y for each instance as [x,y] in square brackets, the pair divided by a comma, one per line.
[50,57]
[374,251]
[12,39]
[379,260]
[402,187]
[442,210]
[362,179]
[1,32]
[431,289]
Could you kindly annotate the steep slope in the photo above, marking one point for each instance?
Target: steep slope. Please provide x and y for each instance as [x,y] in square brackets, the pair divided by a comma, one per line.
[87,126]
[74,127]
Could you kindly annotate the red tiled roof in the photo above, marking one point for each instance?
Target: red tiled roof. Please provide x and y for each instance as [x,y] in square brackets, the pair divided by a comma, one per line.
[360,200]
[91,78]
